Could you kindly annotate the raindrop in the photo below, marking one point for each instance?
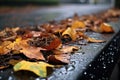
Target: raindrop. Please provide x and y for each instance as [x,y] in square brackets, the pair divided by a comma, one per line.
[63,72]
[83,67]
[95,47]
[60,73]
[90,65]
[70,67]
[11,72]
[94,68]
[114,40]
[73,62]
[0,77]
[102,58]
[81,59]
[85,73]
[37,79]
[108,61]
[10,78]
[104,67]
[103,78]
[92,76]
[1,71]
[112,60]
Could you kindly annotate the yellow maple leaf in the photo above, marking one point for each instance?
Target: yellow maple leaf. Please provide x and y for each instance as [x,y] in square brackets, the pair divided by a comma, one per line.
[39,68]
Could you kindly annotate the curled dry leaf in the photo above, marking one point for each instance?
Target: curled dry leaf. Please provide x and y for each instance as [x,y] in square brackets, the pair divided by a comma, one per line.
[103,28]
[59,59]
[78,24]
[69,49]
[3,67]
[106,28]
[93,40]
[39,68]
[71,32]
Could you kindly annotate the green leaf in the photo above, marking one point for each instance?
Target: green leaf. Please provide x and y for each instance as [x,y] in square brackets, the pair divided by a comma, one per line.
[39,68]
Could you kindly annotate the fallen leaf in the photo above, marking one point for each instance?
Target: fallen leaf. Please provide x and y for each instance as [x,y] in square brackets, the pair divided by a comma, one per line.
[59,59]
[39,68]
[106,28]
[3,67]
[71,32]
[15,45]
[57,52]
[31,52]
[93,40]
[13,61]
[53,44]
[78,24]
[3,47]
[69,49]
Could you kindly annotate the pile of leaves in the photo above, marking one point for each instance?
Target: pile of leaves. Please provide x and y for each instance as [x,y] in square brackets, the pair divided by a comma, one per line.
[41,47]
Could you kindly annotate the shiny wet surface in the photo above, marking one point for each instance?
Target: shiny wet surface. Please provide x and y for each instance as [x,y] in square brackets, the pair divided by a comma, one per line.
[84,64]
[35,15]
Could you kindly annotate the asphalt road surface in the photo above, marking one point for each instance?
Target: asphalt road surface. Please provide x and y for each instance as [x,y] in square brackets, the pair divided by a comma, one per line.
[35,15]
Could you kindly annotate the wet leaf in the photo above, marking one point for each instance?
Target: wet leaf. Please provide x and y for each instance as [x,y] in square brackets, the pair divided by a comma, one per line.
[3,47]
[31,52]
[39,68]
[15,45]
[69,49]
[57,52]
[71,32]
[13,61]
[3,67]
[53,45]
[78,24]
[106,28]
[59,59]
[93,40]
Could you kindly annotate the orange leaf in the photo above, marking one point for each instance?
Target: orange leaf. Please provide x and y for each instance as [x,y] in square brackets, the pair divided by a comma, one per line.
[3,67]
[78,24]
[3,47]
[94,40]
[53,45]
[71,32]
[58,59]
[57,52]
[104,27]
[31,52]
[69,49]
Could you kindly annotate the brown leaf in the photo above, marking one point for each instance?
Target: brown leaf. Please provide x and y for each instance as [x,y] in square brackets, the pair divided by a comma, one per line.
[59,59]
[104,27]
[71,32]
[31,52]
[3,47]
[78,24]
[93,40]
[57,52]
[13,61]
[69,49]
[53,45]
[3,67]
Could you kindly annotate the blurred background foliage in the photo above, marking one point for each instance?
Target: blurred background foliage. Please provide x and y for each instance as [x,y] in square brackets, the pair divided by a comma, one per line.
[116,3]
[24,2]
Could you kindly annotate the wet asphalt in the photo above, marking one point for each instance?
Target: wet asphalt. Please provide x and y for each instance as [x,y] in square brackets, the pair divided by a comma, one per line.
[35,15]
